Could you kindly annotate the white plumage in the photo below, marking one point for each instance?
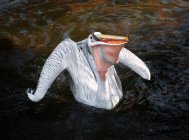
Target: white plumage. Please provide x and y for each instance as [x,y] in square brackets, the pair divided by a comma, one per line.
[86,86]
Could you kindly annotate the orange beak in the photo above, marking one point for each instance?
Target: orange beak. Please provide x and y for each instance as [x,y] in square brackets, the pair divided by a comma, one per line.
[112,39]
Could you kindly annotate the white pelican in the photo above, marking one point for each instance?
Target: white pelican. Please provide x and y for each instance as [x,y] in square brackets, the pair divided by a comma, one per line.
[90,63]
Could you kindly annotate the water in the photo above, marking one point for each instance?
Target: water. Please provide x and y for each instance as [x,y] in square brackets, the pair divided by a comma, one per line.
[159,35]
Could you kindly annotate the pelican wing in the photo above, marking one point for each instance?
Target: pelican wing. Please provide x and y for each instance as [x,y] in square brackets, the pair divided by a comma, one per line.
[53,66]
[133,62]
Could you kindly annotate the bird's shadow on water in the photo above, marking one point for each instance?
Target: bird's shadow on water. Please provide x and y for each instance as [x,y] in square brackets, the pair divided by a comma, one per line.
[73,120]
[79,121]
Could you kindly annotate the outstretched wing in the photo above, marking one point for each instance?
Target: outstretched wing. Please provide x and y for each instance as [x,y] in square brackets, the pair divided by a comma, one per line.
[53,66]
[133,62]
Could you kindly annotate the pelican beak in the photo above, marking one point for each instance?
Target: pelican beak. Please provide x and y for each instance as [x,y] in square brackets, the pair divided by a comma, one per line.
[110,40]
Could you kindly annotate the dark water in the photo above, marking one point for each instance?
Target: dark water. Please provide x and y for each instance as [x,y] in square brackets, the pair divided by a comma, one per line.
[159,35]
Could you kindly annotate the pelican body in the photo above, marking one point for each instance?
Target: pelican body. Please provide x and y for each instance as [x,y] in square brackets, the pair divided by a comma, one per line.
[86,85]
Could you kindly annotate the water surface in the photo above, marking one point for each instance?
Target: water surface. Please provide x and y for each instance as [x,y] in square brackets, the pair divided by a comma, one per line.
[155,109]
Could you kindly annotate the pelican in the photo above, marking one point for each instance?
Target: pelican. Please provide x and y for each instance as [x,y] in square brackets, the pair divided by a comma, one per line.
[90,63]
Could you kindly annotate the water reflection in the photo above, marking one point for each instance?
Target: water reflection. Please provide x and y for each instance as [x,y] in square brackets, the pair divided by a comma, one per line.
[158,32]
